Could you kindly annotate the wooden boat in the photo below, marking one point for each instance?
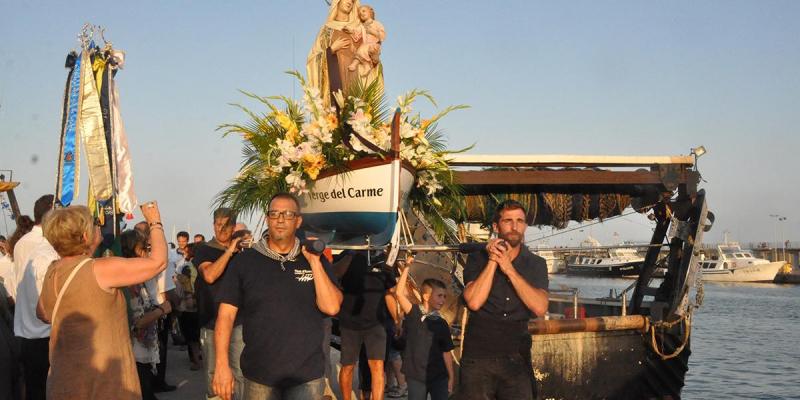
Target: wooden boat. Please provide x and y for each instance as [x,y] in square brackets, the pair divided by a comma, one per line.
[633,346]
[360,205]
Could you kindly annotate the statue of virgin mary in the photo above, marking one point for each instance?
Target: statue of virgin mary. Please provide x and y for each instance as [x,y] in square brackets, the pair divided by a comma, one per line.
[334,49]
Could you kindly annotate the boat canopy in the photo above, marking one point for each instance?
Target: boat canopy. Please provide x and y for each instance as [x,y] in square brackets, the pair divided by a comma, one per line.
[557,189]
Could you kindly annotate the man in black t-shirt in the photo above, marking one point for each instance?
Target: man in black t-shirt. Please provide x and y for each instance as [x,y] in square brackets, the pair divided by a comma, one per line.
[282,292]
[505,286]
[365,285]
[212,259]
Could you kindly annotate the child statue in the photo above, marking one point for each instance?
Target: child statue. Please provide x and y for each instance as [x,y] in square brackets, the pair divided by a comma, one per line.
[370,34]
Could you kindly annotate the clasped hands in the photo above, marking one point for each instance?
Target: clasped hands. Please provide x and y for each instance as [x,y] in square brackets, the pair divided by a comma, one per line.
[500,253]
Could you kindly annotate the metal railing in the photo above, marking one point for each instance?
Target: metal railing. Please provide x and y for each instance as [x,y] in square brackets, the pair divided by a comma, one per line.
[566,294]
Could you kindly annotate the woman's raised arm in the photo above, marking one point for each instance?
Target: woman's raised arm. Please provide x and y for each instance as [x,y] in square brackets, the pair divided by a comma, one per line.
[115,272]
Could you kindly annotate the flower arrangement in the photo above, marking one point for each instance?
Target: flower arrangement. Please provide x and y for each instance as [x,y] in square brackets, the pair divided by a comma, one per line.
[286,148]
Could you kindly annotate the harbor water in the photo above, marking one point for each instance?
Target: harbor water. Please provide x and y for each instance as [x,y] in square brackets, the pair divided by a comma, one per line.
[745,338]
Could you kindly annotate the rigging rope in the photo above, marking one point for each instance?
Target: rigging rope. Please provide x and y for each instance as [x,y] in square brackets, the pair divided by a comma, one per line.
[686,319]
[582,226]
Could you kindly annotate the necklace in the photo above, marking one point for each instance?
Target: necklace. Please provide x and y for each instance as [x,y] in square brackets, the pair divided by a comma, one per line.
[263,248]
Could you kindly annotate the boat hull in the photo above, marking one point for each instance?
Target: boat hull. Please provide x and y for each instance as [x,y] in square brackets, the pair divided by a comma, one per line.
[608,270]
[359,206]
[606,365]
[751,273]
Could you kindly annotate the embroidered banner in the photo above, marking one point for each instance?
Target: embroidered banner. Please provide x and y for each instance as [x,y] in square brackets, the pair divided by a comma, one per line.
[92,135]
[126,196]
[69,165]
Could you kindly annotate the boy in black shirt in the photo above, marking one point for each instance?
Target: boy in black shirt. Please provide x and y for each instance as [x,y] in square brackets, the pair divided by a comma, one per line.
[427,361]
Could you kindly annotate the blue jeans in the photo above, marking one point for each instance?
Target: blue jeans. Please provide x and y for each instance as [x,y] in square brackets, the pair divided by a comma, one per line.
[234,356]
[501,378]
[418,390]
[310,390]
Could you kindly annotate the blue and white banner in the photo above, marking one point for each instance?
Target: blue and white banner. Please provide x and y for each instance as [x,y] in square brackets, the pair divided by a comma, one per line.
[69,164]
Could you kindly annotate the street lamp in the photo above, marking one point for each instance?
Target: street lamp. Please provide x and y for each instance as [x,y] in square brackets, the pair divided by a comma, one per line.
[697,152]
[778,219]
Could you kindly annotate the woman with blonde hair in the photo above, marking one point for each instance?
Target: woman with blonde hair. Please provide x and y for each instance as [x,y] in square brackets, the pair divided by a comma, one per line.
[90,347]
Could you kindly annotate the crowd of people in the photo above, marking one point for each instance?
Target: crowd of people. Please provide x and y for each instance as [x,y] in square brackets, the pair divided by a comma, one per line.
[260,316]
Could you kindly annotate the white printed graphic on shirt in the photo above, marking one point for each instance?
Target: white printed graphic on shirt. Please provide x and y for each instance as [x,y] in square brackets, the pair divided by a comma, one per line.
[303,275]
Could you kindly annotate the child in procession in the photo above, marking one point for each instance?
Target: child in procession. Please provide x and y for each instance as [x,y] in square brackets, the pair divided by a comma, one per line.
[427,360]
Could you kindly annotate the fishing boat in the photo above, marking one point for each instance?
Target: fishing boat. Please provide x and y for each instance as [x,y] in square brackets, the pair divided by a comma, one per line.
[632,346]
[733,264]
[616,262]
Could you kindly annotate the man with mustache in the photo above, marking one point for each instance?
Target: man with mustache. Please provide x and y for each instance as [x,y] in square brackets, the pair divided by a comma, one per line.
[506,285]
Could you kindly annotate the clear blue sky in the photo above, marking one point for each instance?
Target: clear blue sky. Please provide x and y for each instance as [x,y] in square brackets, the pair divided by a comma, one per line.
[584,77]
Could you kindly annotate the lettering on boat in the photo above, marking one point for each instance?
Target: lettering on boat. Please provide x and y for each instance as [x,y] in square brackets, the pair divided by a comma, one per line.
[345,193]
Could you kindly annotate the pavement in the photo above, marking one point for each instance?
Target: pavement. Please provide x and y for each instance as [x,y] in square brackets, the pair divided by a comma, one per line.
[191,384]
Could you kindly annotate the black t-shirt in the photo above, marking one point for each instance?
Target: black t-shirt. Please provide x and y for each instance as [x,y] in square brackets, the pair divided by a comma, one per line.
[426,341]
[500,326]
[281,324]
[364,288]
[207,295]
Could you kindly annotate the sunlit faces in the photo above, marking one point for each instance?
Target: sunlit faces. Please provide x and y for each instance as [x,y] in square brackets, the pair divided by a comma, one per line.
[511,226]
[223,229]
[434,298]
[283,226]
[182,242]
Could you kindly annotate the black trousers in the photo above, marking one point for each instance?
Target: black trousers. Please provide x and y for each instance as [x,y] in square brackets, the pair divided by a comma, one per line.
[501,378]
[146,381]
[164,327]
[35,365]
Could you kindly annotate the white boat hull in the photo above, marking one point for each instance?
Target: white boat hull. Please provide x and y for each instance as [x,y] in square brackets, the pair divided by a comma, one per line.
[359,206]
[751,273]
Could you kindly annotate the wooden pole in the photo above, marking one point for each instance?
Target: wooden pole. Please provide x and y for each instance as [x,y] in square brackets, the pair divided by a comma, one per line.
[396,134]
[596,324]
[12,200]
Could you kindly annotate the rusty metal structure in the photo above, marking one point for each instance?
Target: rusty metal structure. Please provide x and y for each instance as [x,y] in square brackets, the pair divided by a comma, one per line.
[7,186]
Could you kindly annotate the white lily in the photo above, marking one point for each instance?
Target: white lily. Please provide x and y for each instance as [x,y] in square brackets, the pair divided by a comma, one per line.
[296,183]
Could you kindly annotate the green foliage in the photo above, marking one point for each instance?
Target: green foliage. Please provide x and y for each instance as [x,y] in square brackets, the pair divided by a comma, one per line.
[283,125]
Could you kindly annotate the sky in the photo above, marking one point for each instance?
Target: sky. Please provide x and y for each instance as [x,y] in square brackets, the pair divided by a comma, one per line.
[580,77]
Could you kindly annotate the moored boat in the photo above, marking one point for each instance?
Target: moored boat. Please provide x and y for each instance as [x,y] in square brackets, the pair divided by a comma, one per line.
[633,346]
[555,261]
[733,264]
[616,262]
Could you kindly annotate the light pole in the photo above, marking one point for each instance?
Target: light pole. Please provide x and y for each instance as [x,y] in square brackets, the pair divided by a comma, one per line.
[778,218]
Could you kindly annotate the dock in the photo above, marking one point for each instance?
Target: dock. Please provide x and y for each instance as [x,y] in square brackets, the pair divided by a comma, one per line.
[793,276]
[791,255]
